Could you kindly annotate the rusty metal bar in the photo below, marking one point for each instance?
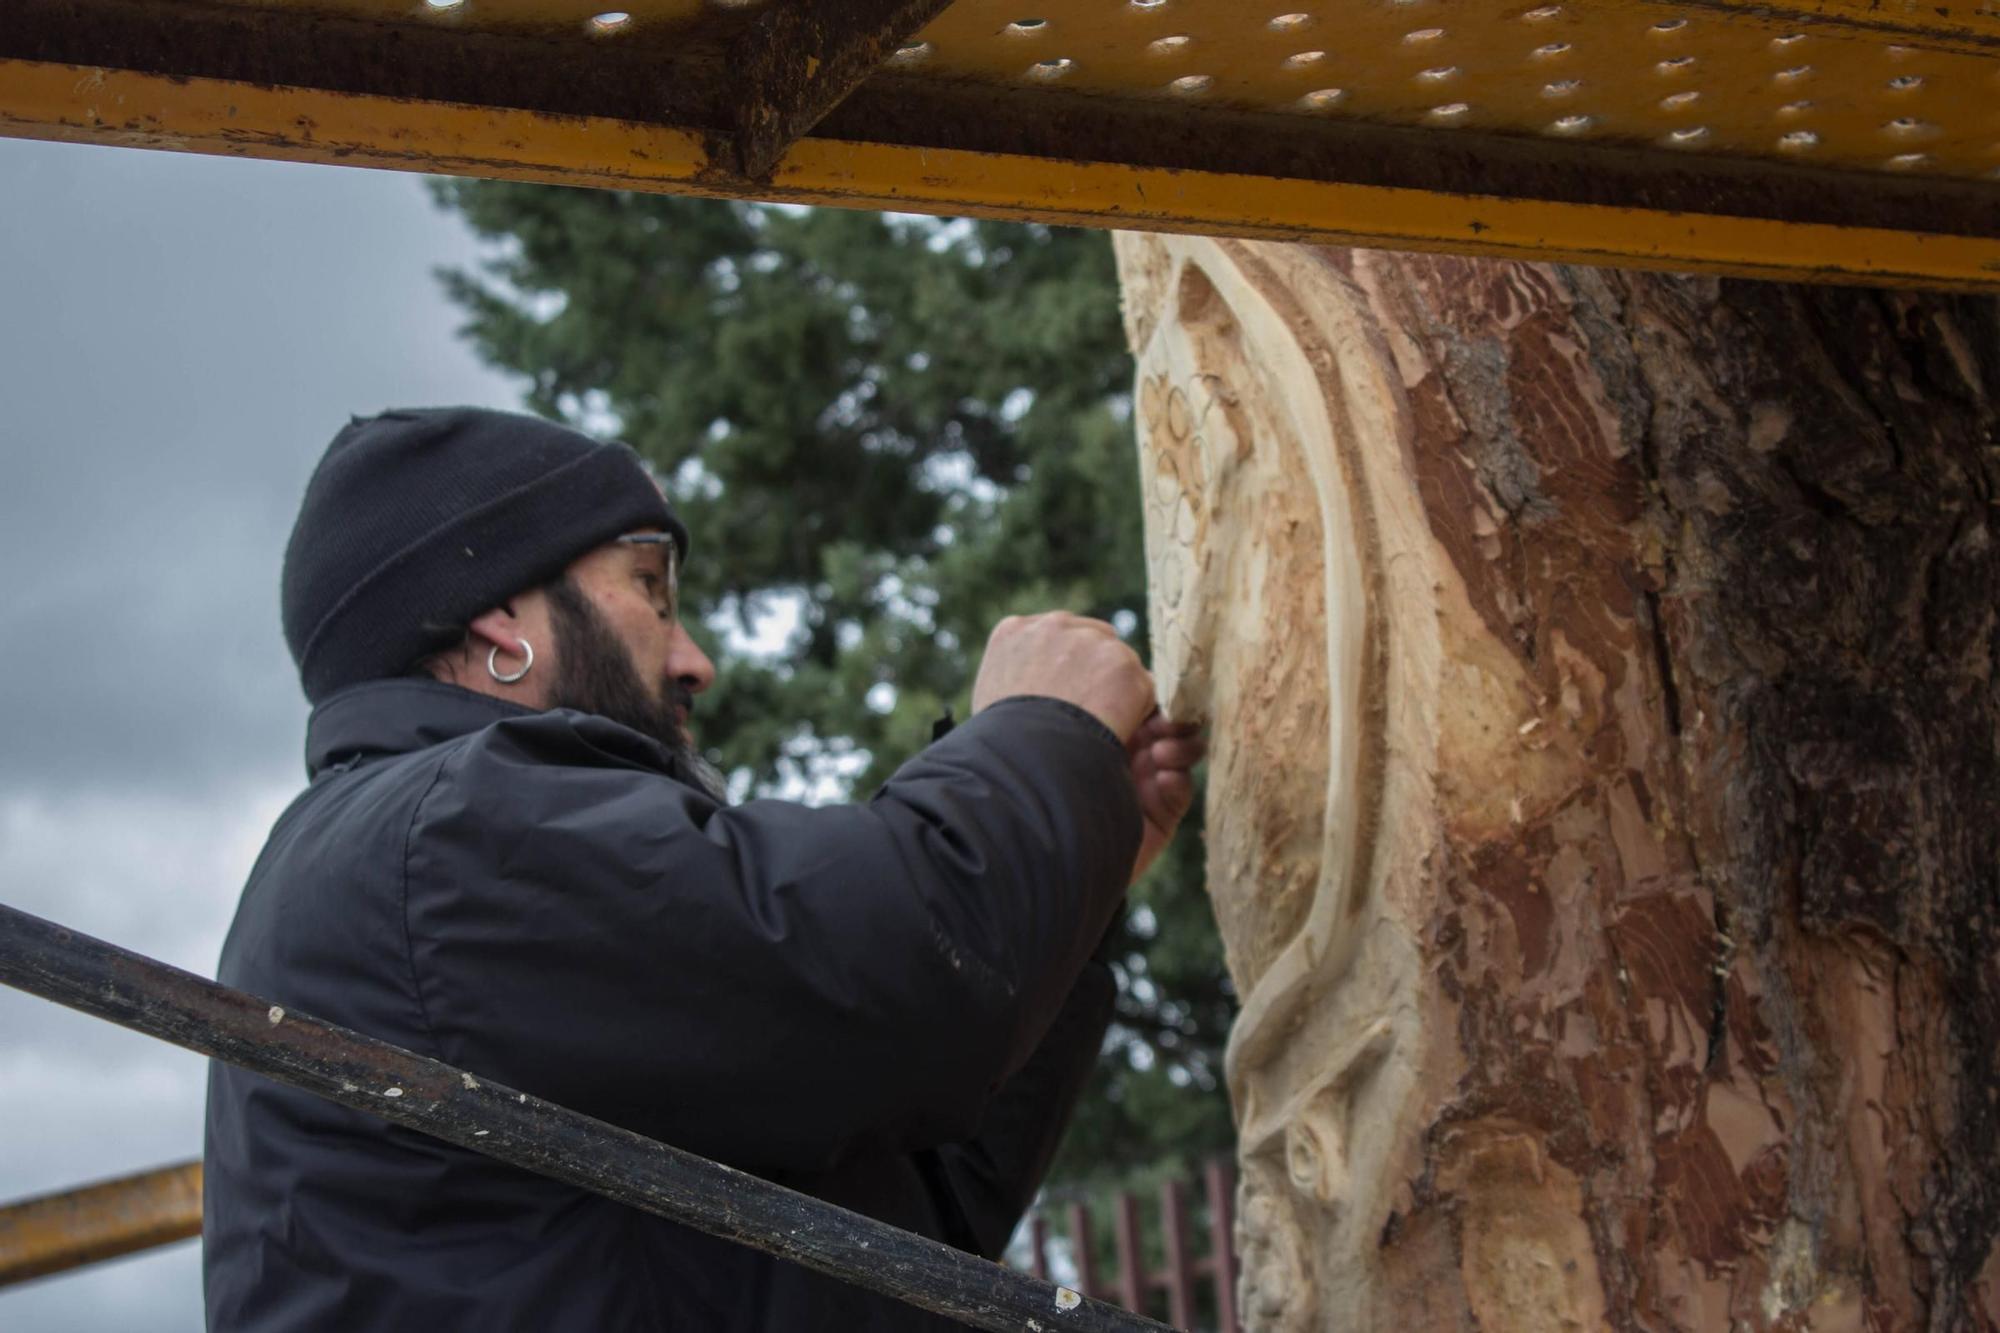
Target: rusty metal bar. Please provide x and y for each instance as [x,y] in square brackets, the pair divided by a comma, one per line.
[798,61]
[344,1066]
[52,1233]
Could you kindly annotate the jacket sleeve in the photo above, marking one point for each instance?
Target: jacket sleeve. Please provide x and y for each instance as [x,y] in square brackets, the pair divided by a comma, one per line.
[774,986]
[985,1183]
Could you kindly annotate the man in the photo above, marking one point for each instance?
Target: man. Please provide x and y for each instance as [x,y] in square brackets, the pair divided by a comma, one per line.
[510,857]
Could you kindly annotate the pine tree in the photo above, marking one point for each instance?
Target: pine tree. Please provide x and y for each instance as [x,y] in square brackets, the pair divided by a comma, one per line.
[885,433]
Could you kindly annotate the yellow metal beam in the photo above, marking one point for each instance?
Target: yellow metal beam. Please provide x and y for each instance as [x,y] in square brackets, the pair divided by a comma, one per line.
[57,1232]
[109,106]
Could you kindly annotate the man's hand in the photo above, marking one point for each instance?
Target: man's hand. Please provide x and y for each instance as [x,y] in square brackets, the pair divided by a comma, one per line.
[1163,758]
[1067,657]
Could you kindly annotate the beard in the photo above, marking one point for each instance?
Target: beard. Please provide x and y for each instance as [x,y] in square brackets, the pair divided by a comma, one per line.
[595,675]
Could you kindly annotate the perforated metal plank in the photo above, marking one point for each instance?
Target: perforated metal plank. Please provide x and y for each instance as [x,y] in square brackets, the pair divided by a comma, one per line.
[1868,87]
[1836,140]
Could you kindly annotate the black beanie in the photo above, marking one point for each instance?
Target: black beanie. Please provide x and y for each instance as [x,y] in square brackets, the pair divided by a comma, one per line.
[419,519]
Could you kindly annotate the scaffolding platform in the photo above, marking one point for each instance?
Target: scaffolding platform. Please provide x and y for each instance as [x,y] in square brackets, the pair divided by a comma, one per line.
[1844,140]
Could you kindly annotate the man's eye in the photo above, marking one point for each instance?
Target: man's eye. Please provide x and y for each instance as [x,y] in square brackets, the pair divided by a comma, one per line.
[663,601]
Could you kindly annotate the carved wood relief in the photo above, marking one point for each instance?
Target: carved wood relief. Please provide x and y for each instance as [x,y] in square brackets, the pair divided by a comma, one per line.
[1264,546]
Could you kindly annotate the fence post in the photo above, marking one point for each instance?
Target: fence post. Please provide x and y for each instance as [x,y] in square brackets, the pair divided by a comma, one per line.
[1086,1251]
[1180,1272]
[1131,1258]
[1221,1183]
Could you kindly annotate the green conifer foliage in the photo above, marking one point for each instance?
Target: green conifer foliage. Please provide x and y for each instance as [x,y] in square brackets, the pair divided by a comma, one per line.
[886,433]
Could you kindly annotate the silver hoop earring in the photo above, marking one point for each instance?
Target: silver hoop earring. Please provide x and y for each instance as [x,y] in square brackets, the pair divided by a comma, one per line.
[493,657]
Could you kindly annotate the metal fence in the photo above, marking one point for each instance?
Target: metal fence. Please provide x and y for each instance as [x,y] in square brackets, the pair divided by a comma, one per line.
[1156,1271]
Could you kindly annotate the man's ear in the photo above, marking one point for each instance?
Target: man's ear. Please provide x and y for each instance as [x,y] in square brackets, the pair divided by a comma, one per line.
[499,627]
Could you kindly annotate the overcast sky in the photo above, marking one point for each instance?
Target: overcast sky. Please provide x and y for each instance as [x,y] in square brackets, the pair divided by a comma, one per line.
[179,338]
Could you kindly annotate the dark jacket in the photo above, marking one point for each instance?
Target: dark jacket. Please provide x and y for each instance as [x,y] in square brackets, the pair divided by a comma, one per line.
[889,1005]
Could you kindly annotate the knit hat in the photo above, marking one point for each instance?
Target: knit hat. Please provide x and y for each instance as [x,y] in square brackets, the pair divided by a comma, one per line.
[419,519]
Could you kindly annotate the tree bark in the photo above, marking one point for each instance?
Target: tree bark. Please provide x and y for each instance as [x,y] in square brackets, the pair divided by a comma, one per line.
[1604,806]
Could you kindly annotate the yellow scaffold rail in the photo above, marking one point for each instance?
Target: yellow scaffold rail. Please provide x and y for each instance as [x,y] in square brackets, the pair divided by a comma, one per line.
[54,1233]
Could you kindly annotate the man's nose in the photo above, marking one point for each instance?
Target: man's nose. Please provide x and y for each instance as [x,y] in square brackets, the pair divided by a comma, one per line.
[689,664]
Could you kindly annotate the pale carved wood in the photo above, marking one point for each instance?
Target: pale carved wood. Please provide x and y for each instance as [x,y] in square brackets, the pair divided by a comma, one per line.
[1524,605]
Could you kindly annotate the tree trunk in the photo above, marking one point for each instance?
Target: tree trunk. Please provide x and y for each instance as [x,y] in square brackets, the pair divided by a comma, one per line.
[1604,805]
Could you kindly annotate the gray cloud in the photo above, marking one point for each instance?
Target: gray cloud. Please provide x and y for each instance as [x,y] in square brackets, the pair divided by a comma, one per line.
[179,337]
[185,334]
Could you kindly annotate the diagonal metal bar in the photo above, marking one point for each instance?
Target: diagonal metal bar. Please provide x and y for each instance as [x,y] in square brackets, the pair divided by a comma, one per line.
[53,1233]
[136,992]
[798,60]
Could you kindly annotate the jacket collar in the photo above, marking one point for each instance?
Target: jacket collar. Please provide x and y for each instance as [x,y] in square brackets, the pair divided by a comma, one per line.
[384,717]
